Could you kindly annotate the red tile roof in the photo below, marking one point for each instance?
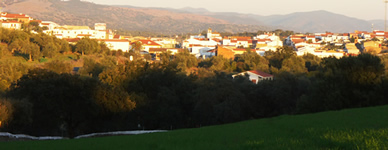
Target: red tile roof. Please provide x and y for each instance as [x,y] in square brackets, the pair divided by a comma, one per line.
[196,45]
[11,22]
[116,37]
[263,40]
[14,15]
[113,40]
[84,35]
[261,73]
[298,40]
[72,39]
[39,21]
[297,36]
[149,43]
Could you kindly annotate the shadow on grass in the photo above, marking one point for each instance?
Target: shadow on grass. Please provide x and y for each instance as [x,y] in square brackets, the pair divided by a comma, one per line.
[25,56]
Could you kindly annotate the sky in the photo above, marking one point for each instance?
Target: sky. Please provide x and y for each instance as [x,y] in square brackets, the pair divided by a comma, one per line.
[361,9]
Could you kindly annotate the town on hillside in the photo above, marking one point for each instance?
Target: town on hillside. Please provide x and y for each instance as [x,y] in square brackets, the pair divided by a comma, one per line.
[212,44]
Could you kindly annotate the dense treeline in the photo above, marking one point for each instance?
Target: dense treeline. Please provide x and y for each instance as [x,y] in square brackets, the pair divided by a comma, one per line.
[180,91]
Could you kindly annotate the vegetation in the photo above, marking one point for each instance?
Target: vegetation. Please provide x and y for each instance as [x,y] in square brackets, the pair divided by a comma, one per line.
[109,92]
[364,128]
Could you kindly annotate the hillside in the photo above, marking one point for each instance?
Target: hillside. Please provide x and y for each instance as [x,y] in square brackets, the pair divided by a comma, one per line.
[365,128]
[318,21]
[76,12]
[314,21]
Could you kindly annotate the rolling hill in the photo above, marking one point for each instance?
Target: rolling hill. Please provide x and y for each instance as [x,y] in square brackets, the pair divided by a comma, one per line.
[76,12]
[185,20]
[314,21]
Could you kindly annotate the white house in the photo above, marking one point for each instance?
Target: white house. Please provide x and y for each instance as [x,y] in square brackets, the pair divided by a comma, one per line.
[324,54]
[69,32]
[147,44]
[49,24]
[11,24]
[255,75]
[116,44]
[198,46]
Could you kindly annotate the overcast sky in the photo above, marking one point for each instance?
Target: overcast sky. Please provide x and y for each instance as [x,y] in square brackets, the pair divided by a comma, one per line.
[362,9]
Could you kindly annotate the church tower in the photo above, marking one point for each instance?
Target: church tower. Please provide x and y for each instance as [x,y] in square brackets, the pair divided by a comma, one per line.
[209,33]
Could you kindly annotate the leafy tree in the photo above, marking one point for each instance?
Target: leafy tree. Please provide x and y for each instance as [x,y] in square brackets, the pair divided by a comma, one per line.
[50,50]
[375,39]
[165,57]
[5,111]
[346,83]
[137,46]
[219,100]
[58,66]
[279,96]
[184,61]
[32,50]
[312,61]
[294,64]
[64,47]
[251,61]
[10,71]
[219,63]
[276,58]
[4,51]
[64,100]
[87,46]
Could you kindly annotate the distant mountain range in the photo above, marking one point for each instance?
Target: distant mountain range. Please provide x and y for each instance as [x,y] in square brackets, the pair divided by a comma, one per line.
[185,20]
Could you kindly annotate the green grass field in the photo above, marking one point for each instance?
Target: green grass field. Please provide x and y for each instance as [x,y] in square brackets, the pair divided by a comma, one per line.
[365,128]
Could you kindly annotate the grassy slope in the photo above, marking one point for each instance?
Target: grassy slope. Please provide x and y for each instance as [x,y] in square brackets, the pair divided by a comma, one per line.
[365,128]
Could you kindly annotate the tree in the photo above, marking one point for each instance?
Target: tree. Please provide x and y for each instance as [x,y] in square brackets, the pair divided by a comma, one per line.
[10,71]
[58,66]
[375,39]
[346,83]
[87,46]
[184,61]
[219,100]
[50,50]
[64,46]
[64,100]
[4,51]
[137,46]
[312,61]
[251,61]
[219,63]
[294,64]
[276,58]
[5,111]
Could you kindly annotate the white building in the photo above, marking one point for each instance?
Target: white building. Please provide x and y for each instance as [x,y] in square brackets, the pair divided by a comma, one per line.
[255,76]
[213,35]
[11,24]
[115,44]
[69,32]
[165,42]
[197,45]
[147,45]
[49,24]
